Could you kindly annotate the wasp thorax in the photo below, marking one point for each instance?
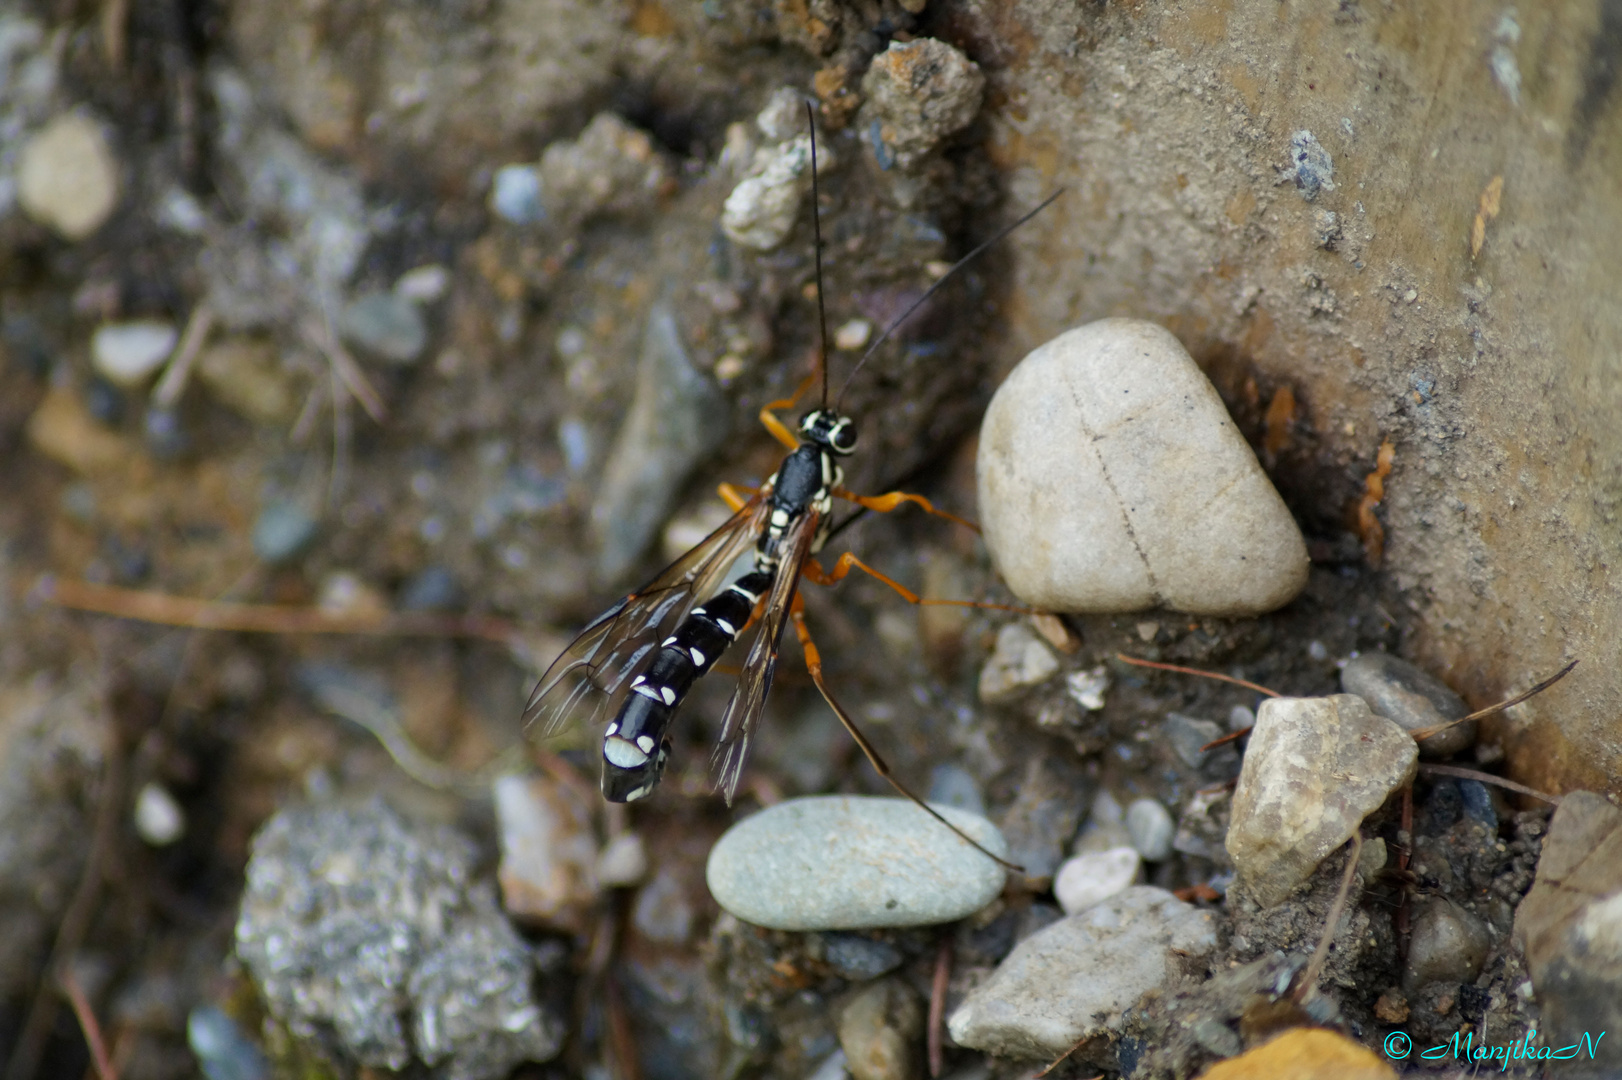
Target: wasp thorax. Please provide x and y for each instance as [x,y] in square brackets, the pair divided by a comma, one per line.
[827,428]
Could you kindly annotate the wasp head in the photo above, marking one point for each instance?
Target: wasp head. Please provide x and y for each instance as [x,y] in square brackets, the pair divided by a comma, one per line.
[828,429]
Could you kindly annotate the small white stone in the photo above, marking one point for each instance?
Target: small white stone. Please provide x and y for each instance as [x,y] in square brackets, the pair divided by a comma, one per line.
[425,284]
[1087,688]
[67,177]
[158,818]
[762,209]
[548,851]
[1112,479]
[1020,660]
[1094,877]
[853,335]
[1151,828]
[624,861]
[129,353]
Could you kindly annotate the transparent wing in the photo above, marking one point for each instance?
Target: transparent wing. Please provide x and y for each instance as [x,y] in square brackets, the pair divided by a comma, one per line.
[743,710]
[593,673]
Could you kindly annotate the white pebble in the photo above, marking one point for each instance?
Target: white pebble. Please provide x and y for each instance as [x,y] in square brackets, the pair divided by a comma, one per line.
[853,335]
[1112,479]
[1087,688]
[1020,660]
[1151,828]
[129,353]
[423,285]
[1094,877]
[158,818]
[762,209]
[624,861]
[515,195]
[67,177]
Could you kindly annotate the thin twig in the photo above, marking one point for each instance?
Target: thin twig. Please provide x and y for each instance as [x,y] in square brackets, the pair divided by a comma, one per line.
[168,610]
[1424,733]
[1307,988]
[1125,659]
[70,932]
[178,372]
[1487,778]
[937,1006]
[87,1023]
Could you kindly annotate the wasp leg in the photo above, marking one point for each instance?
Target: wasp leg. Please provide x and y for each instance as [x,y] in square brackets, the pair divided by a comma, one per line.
[887,502]
[813,664]
[814,573]
[733,495]
[768,414]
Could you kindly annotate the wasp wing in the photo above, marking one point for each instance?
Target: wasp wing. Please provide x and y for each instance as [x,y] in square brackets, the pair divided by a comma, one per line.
[743,710]
[595,670]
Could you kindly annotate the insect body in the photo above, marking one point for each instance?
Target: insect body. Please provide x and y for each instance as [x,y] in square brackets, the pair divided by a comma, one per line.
[799,498]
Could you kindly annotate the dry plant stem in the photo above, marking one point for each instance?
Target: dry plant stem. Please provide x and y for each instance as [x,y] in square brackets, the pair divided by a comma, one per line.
[937,1006]
[1307,988]
[70,932]
[178,372]
[166,610]
[1125,659]
[1488,778]
[1424,733]
[621,1039]
[1405,855]
[99,1060]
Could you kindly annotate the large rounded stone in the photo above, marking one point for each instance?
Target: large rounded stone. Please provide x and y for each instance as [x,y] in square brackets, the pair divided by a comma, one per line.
[843,862]
[1112,479]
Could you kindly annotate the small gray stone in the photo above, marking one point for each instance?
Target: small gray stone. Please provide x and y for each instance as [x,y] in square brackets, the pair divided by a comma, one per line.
[357,924]
[1449,944]
[917,93]
[1020,660]
[223,1051]
[1187,735]
[859,958]
[129,353]
[675,420]
[1044,816]
[954,786]
[1570,923]
[385,325]
[1112,479]
[879,1030]
[282,532]
[1310,165]
[1074,980]
[1151,828]
[1411,698]
[1315,768]
[844,862]
[515,195]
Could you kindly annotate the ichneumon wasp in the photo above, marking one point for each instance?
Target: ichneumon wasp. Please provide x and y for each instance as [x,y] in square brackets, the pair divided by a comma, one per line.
[636,662]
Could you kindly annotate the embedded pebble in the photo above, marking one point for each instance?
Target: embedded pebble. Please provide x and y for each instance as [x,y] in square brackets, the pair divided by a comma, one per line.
[879,1031]
[1570,923]
[859,958]
[158,818]
[515,195]
[129,353]
[1188,735]
[385,325]
[548,851]
[223,1051]
[1315,768]
[1413,699]
[1019,661]
[282,531]
[917,93]
[1087,688]
[1094,877]
[843,862]
[1044,815]
[1449,944]
[367,934]
[676,418]
[246,375]
[1151,828]
[1076,979]
[1112,479]
[1310,165]
[853,335]
[67,176]
[425,284]
[761,211]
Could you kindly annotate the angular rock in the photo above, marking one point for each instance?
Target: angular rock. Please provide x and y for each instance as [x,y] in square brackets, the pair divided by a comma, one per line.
[1094,877]
[761,211]
[1570,923]
[1019,661]
[385,325]
[879,1029]
[1315,768]
[1073,980]
[842,862]
[1413,699]
[918,92]
[1112,479]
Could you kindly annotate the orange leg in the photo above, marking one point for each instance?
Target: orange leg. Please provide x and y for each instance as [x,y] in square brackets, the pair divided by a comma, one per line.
[813,664]
[814,573]
[885,503]
[732,495]
[768,414]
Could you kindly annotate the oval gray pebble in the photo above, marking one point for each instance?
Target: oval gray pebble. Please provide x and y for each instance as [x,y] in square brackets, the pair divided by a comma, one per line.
[1410,698]
[845,862]
[1151,828]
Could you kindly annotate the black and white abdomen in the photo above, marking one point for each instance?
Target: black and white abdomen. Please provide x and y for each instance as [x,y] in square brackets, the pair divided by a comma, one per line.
[637,744]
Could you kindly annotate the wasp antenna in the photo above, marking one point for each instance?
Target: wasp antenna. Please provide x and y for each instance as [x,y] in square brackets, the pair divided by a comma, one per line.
[944,278]
[816,250]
